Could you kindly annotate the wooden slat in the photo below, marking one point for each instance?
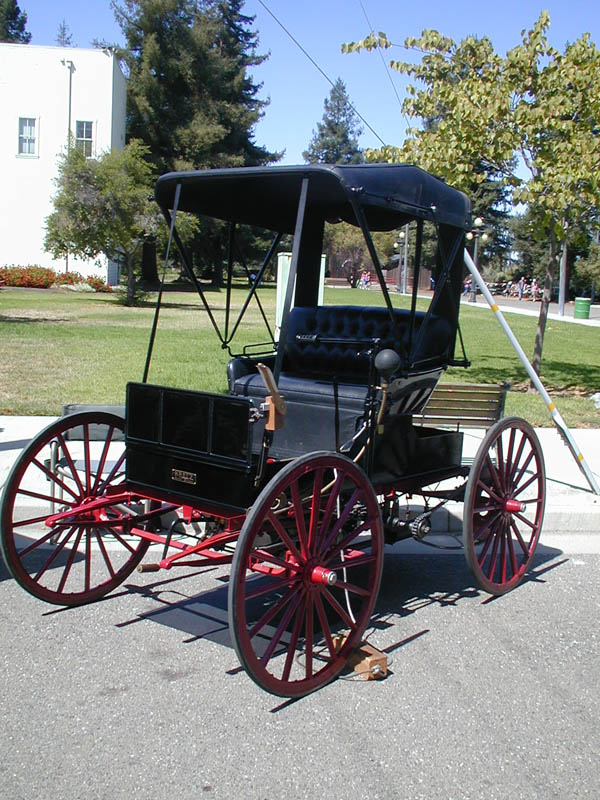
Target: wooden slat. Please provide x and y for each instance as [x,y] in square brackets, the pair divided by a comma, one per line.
[468,405]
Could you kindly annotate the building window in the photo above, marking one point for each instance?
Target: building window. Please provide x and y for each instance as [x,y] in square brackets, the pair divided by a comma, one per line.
[83,137]
[27,140]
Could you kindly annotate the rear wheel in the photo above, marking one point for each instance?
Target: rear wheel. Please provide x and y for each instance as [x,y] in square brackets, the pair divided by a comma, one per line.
[306,574]
[74,559]
[504,505]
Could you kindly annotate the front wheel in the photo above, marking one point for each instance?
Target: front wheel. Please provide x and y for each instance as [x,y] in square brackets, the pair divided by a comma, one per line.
[306,574]
[504,505]
[58,557]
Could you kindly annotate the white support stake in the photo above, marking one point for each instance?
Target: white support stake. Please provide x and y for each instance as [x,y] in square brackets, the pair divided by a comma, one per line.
[556,417]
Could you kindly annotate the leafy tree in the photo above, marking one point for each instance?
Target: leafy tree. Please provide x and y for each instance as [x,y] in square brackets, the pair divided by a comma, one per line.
[535,105]
[102,207]
[335,140]
[587,271]
[12,23]
[64,37]
[191,98]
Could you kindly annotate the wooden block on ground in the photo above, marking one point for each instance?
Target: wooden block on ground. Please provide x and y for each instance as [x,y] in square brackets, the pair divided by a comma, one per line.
[367,661]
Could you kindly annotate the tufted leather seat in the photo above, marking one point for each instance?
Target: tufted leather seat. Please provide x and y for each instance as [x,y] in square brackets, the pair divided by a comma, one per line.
[326,365]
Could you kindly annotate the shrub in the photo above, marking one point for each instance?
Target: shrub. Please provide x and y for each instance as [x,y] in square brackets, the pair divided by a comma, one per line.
[97,284]
[69,278]
[32,277]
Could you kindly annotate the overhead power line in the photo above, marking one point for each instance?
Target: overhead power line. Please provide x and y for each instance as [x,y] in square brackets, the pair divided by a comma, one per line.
[314,63]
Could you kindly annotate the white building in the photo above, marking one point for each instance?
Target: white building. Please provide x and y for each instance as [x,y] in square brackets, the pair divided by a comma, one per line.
[45,92]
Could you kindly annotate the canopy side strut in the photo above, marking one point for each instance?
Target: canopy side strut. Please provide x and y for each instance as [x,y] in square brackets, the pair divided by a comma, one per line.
[556,417]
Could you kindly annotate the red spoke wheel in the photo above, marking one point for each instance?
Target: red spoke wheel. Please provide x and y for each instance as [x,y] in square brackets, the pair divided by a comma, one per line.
[306,574]
[74,559]
[504,505]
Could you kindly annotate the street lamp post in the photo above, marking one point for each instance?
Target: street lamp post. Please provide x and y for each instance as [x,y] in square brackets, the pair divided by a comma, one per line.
[402,273]
[476,234]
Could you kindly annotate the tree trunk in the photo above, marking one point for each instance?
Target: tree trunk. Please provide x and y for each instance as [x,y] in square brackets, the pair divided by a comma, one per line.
[130,299]
[546,297]
[150,277]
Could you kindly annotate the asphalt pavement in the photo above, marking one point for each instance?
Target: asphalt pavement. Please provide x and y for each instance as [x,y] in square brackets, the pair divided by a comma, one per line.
[141,695]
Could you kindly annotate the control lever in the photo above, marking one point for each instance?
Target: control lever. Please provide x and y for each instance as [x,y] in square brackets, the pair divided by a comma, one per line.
[275,404]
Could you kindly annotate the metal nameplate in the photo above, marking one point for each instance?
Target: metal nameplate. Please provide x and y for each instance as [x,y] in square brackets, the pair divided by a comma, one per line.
[181,476]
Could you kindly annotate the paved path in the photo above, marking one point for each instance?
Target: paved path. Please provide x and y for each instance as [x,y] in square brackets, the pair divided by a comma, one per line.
[141,696]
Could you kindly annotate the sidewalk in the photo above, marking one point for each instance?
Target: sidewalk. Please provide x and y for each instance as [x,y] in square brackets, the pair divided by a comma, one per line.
[572,518]
[530,309]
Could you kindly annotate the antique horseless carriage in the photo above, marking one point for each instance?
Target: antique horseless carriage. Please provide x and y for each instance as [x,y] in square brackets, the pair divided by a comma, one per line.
[311,463]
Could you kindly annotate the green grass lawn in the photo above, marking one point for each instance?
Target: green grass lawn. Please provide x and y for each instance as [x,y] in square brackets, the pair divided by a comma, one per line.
[64,347]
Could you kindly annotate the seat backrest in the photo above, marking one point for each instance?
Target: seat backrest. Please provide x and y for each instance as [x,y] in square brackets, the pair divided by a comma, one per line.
[334,341]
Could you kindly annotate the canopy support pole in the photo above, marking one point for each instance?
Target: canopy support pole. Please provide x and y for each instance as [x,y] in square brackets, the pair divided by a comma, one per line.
[561,425]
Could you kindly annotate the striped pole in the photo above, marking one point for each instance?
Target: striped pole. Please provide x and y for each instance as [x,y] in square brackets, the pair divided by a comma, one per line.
[556,417]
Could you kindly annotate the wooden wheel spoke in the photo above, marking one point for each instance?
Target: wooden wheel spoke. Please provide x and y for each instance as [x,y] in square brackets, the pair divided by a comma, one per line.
[88,560]
[38,543]
[350,587]
[55,479]
[325,625]
[265,588]
[342,614]
[264,555]
[114,476]
[517,459]
[276,638]
[315,510]
[289,659]
[102,461]
[330,507]
[298,508]
[511,552]
[355,561]
[493,556]
[308,636]
[104,552]
[281,532]
[500,467]
[523,468]
[340,522]
[524,486]
[478,535]
[52,557]
[46,498]
[272,612]
[116,535]
[338,547]
[524,520]
[503,553]
[62,446]
[521,541]
[70,561]
[495,496]
[87,462]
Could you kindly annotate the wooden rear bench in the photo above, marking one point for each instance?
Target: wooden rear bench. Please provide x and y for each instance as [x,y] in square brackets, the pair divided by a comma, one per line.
[464,405]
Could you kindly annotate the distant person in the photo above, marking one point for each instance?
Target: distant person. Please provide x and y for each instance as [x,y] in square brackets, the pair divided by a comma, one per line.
[534,290]
[521,288]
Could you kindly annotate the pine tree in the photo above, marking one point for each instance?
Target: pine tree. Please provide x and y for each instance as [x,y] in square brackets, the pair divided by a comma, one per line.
[190,98]
[336,139]
[12,23]
[64,37]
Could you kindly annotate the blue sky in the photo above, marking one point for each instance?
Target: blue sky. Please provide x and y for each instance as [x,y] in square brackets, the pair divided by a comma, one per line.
[296,88]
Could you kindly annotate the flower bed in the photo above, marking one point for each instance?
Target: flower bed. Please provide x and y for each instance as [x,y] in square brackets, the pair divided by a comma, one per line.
[35,277]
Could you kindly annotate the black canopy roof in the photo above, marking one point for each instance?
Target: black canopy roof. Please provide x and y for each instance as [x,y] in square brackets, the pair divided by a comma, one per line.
[390,194]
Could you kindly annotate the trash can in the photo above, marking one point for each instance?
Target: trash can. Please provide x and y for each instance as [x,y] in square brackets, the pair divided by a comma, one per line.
[582,308]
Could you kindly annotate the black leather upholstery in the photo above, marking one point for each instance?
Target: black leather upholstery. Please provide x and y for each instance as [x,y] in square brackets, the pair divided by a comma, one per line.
[326,366]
